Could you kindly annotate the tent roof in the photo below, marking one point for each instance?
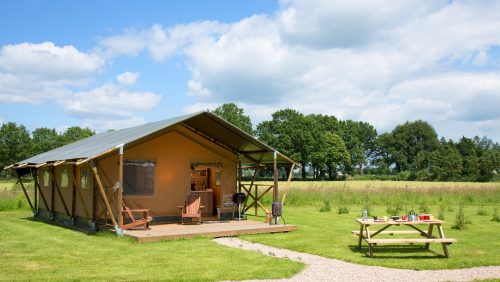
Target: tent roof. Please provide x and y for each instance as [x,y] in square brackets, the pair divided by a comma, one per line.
[211,126]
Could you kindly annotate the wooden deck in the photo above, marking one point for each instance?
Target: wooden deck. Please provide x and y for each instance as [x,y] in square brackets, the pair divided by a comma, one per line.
[207,228]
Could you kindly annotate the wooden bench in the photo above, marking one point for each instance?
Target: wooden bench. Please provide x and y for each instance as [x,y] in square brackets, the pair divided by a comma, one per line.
[410,241]
[394,232]
[443,241]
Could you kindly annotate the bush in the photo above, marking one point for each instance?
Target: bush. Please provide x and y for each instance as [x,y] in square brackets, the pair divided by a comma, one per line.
[496,216]
[460,222]
[442,208]
[325,206]
[343,210]
[481,210]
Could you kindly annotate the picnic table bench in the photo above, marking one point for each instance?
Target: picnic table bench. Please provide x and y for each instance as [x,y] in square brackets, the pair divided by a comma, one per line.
[367,234]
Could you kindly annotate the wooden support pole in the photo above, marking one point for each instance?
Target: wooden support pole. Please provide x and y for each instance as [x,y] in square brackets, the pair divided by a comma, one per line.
[36,192]
[76,186]
[25,193]
[275,190]
[287,187]
[103,194]
[52,198]
[275,166]
[56,185]
[251,185]
[103,211]
[120,187]
[40,190]
[240,170]
[73,192]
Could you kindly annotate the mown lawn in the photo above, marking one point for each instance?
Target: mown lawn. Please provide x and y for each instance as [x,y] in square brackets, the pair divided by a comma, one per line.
[328,234]
[31,250]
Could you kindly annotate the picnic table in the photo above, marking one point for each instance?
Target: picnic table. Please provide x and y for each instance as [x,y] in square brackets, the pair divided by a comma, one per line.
[368,235]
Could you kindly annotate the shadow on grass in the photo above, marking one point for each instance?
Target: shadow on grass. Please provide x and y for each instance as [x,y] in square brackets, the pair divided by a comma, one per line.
[399,252]
[104,231]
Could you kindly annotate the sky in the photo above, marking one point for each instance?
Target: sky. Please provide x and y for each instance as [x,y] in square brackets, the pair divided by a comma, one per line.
[114,64]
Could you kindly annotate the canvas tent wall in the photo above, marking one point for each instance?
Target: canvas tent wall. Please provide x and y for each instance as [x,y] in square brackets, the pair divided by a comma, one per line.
[84,180]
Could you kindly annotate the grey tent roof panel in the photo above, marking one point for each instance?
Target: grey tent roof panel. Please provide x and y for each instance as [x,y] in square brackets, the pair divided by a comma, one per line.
[217,129]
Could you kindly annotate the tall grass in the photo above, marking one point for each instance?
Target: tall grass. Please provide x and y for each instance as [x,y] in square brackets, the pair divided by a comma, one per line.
[418,197]
[12,197]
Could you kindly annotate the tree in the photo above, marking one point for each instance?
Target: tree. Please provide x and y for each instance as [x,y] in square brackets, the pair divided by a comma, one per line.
[321,124]
[445,164]
[236,116]
[359,138]
[44,139]
[75,133]
[337,156]
[14,143]
[410,139]
[488,154]
[289,132]
[470,161]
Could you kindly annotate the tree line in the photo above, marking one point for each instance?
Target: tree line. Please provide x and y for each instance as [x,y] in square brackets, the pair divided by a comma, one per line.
[326,147]
[330,148]
[17,143]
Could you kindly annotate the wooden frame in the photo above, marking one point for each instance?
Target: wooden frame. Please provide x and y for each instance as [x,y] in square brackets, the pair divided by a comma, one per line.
[366,234]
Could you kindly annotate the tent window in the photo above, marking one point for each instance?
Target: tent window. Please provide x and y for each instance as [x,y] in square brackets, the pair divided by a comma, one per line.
[138,177]
[64,178]
[86,180]
[46,178]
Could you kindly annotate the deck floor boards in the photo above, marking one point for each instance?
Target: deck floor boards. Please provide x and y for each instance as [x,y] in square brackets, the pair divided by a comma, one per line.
[212,229]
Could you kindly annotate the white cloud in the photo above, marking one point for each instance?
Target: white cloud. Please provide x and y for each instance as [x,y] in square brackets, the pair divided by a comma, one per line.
[359,61]
[128,78]
[379,61]
[159,41]
[110,101]
[32,73]
[48,62]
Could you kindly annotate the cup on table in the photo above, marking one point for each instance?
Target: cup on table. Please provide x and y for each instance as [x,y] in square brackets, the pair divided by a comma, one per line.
[375,217]
[385,218]
[403,217]
[431,217]
[426,217]
[420,217]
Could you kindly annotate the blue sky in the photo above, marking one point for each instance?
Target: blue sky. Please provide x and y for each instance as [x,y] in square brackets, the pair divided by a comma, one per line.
[114,64]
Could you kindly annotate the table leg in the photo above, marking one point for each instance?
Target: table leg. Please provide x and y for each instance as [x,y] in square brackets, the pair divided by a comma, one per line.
[441,236]
[360,236]
[367,228]
[429,235]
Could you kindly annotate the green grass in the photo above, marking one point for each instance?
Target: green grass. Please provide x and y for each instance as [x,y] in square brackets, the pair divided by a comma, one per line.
[328,234]
[32,250]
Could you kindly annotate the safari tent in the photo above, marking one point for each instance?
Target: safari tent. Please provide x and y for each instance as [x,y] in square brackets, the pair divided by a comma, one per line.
[153,166]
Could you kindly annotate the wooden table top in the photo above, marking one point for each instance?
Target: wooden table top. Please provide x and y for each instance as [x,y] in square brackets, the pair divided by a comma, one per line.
[398,222]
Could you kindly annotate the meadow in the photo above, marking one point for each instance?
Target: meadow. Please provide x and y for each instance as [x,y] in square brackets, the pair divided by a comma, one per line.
[34,250]
[323,211]
[325,214]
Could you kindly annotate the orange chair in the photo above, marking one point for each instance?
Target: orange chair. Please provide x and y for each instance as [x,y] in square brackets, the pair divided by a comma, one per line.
[142,223]
[191,211]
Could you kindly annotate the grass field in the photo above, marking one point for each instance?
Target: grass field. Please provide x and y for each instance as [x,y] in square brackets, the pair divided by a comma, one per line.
[329,233]
[59,253]
[31,250]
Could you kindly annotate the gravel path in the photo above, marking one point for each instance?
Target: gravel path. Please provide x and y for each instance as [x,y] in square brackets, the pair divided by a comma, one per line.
[326,269]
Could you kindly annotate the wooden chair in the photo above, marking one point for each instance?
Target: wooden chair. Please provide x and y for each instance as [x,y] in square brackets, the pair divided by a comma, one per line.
[142,223]
[191,211]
